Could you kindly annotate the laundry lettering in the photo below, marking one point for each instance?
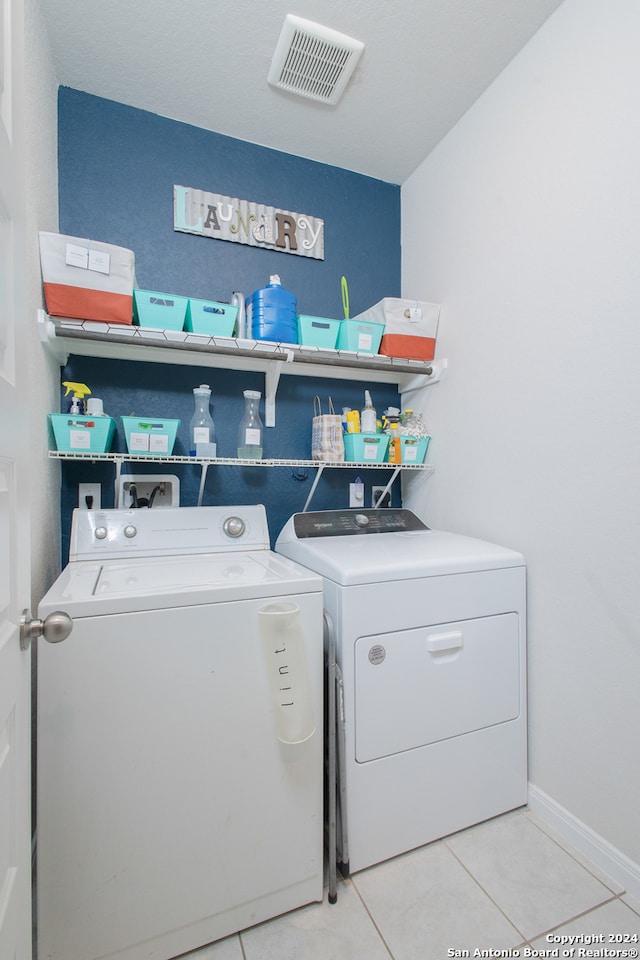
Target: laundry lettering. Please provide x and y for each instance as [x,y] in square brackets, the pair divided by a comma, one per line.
[243,221]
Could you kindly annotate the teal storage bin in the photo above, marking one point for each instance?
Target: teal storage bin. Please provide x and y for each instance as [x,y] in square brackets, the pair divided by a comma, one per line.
[360,336]
[149,435]
[365,447]
[414,449]
[159,310]
[318,331]
[210,317]
[74,433]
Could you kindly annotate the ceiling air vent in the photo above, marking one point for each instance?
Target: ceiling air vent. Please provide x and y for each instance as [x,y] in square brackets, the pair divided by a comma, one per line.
[313,61]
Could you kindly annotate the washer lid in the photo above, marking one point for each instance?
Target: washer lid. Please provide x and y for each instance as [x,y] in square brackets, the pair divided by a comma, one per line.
[92,588]
[388,556]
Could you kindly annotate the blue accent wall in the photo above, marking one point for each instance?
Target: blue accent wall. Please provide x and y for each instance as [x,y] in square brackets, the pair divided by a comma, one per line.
[117,169]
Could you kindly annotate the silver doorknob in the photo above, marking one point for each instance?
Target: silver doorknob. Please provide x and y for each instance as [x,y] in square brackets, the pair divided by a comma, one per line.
[54,628]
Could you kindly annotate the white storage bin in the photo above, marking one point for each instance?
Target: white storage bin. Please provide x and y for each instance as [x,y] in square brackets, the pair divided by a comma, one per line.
[411,327]
[87,279]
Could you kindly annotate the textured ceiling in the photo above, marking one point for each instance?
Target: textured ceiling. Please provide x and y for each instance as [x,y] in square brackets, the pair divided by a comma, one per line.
[205,62]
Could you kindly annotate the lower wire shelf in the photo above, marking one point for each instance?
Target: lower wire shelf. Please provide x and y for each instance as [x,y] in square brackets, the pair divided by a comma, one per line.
[118,459]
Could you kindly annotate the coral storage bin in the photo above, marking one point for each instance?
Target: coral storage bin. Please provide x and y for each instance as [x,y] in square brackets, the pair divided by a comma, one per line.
[86,279]
[161,311]
[78,433]
[411,327]
[149,435]
[210,317]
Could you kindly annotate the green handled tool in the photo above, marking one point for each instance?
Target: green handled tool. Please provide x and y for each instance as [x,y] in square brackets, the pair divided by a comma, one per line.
[345,297]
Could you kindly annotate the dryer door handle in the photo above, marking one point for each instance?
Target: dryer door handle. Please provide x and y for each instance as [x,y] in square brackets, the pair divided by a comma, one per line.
[445,642]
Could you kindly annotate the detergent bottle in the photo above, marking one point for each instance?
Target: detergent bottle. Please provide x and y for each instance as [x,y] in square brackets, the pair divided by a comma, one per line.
[274,313]
[80,391]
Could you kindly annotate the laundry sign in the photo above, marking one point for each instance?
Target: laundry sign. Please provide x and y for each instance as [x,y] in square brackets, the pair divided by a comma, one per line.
[243,221]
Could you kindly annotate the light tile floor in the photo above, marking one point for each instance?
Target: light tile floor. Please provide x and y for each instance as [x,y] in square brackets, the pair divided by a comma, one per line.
[507,885]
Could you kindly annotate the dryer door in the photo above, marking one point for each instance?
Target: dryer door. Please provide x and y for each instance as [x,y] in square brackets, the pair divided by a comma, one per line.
[418,686]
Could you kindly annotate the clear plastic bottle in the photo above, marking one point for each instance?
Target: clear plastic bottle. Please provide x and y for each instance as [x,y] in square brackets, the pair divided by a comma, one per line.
[368,415]
[201,428]
[250,429]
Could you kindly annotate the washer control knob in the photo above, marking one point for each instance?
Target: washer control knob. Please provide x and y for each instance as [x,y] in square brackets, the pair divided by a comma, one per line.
[361,519]
[100,533]
[234,527]
[130,531]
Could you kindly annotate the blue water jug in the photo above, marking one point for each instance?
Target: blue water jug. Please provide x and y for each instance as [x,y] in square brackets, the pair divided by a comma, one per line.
[274,313]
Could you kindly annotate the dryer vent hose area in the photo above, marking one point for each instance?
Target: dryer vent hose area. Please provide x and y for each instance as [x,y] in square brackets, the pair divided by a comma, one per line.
[137,502]
[287,672]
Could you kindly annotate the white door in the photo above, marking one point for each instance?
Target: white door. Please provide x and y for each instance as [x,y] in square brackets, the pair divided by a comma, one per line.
[15,711]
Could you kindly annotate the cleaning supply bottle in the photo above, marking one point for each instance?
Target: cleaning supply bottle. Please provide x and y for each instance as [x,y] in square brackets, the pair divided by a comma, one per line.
[80,391]
[413,424]
[368,415]
[201,428]
[237,300]
[274,313]
[391,425]
[353,421]
[250,429]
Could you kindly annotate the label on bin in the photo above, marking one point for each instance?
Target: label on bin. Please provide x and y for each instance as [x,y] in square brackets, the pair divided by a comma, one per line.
[159,443]
[76,256]
[87,259]
[99,261]
[139,442]
[80,439]
[364,341]
[370,451]
[410,452]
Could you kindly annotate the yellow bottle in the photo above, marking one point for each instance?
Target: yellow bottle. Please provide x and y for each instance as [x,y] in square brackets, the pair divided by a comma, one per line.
[353,421]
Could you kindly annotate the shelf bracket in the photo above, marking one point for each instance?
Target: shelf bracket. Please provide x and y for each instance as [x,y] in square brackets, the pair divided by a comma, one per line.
[271,380]
[409,382]
[47,333]
[203,480]
[313,486]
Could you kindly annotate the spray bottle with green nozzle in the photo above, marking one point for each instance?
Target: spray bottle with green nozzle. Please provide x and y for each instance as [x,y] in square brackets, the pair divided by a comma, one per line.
[80,391]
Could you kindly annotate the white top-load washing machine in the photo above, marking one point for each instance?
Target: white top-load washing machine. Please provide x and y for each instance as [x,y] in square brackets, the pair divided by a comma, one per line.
[179,735]
[430,644]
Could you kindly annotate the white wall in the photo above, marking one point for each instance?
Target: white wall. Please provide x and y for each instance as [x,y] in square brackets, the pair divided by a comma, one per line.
[525,225]
[41,380]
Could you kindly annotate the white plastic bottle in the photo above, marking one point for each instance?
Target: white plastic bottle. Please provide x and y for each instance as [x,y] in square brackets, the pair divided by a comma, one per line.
[250,429]
[201,428]
[367,415]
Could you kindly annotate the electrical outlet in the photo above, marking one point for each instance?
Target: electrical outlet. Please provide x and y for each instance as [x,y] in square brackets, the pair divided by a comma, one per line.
[376,493]
[159,490]
[89,495]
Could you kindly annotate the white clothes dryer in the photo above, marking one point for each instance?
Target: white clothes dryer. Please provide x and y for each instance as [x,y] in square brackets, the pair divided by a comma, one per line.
[431,651]
[180,766]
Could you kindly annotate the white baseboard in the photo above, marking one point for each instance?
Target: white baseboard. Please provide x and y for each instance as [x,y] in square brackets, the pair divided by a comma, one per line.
[598,850]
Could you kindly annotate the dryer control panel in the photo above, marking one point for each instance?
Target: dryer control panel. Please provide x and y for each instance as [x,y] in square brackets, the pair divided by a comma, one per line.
[341,523]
